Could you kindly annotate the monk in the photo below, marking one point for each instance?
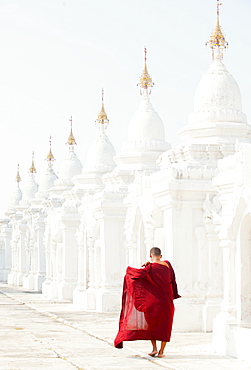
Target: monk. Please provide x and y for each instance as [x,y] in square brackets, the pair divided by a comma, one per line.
[147,303]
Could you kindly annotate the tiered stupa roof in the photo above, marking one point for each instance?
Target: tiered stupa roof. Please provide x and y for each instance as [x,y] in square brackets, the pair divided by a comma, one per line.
[145,124]
[217,115]
[17,194]
[146,129]
[71,165]
[49,177]
[31,187]
[101,152]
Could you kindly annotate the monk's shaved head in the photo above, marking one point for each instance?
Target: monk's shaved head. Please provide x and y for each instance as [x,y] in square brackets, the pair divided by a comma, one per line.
[155,251]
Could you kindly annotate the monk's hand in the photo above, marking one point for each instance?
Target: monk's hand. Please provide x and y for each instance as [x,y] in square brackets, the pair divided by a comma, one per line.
[146,264]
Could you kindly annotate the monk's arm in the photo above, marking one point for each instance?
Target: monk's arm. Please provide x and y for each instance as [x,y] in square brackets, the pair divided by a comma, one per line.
[137,273]
[146,264]
[174,284]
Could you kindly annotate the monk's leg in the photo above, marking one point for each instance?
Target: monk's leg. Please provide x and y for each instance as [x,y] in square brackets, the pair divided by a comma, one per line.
[154,351]
[162,348]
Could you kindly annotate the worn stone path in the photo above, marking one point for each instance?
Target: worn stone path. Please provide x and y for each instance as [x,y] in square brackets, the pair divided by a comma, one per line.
[37,333]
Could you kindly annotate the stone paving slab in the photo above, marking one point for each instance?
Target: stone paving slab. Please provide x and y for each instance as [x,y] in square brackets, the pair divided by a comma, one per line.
[39,333]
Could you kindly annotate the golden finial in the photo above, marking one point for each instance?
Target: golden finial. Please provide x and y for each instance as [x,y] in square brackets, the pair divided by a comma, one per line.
[217,40]
[50,156]
[18,178]
[32,168]
[71,140]
[145,81]
[102,116]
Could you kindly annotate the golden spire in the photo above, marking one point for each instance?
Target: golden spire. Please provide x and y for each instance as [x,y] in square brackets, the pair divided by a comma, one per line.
[145,81]
[18,178]
[32,168]
[102,116]
[50,156]
[71,140]
[217,40]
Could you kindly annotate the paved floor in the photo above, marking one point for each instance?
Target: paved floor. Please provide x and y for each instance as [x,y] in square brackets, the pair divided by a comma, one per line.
[37,333]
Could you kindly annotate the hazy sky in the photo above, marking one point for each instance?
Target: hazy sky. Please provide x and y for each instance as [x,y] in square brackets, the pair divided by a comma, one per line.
[56,55]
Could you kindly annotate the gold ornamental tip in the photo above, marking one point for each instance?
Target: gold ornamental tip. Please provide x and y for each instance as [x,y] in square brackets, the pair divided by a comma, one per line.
[18,178]
[217,40]
[102,116]
[32,167]
[71,140]
[145,81]
[50,157]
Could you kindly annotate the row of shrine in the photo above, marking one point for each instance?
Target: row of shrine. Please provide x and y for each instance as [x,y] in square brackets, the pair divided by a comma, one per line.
[73,235]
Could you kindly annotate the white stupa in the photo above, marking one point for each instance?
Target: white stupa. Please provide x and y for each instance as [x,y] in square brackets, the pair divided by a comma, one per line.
[146,133]
[217,97]
[100,154]
[70,167]
[48,179]
[31,187]
[217,115]
[17,194]
[99,158]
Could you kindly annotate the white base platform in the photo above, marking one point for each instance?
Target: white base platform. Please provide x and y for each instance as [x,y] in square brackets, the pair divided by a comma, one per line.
[192,316]
[231,339]
[28,282]
[51,290]
[108,300]
[12,278]
[38,282]
[65,290]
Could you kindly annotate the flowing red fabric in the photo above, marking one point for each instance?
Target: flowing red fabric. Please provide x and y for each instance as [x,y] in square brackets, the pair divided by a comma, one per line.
[147,304]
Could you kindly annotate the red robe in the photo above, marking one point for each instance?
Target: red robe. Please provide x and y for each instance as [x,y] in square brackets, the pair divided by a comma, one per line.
[147,304]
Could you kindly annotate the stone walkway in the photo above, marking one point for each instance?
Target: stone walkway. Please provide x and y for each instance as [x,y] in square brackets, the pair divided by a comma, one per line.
[37,333]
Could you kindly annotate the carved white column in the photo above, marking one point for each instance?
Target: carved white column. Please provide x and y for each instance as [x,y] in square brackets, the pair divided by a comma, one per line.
[81,239]
[52,286]
[7,234]
[79,296]
[90,292]
[12,277]
[98,262]
[28,260]
[40,252]
[111,215]
[215,279]
[214,292]
[28,278]
[21,252]
[131,230]
[70,220]
[228,311]
[47,280]
[33,259]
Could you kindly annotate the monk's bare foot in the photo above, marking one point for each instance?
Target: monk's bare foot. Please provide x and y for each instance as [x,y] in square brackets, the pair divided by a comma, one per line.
[160,354]
[153,353]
